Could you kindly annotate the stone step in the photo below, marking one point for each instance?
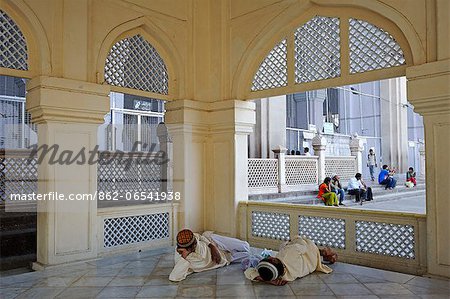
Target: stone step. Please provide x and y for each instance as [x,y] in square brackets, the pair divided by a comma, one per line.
[266,196]
[378,197]
[17,221]
[310,196]
[17,239]
[14,262]
[18,242]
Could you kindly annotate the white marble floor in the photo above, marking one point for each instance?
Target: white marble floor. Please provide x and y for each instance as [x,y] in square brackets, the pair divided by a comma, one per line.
[145,275]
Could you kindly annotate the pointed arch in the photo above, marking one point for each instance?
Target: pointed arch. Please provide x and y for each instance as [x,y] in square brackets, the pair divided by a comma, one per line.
[272,72]
[157,40]
[14,54]
[287,23]
[38,49]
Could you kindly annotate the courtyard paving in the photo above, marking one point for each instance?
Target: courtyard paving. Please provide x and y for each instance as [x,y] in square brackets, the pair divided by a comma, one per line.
[410,204]
[145,275]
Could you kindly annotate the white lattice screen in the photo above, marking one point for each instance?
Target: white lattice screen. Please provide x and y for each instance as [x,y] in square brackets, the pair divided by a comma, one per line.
[272,72]
[113,175]
[323,231]
[346,167]
[262,173]
[317,50]
[385,239]
[134,63]
[135,229]
[317,53]
[301,171]
[13,47]
[372,48]
[270,225]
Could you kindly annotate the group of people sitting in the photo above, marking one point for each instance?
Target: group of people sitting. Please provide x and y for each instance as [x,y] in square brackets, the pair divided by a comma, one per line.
[296,258]
[331,188]
[332,193]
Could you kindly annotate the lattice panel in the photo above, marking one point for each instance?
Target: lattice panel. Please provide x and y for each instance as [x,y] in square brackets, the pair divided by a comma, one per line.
[385,239]
[272,72]
[301,171]
[317,50]
[271,225]
[323,231]
[135,229]
[17,176]
[13,47]
[344,168]
[262,173]
[134,63]
[372,48]
[114,176]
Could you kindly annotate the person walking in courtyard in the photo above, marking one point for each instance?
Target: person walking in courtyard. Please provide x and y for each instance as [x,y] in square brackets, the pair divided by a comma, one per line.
[386,177]
[295,259]
[411,176]
[357,187]
[325,193]
[198,253]
[372,163]
[336,187]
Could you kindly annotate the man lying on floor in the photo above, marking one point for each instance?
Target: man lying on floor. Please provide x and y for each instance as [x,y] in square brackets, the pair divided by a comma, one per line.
[198,253]
[296,258]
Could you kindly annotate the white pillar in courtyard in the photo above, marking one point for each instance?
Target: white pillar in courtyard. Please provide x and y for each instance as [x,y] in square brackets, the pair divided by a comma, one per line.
[280,154]
[422,161]
[319,144]
[394,123]
[270,129]
[356,148]
[68,113]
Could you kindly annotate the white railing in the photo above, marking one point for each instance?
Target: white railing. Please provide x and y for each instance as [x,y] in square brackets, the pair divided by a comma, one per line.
[345,167]
[301,170]
[262,173]
[122,229]
[386,240]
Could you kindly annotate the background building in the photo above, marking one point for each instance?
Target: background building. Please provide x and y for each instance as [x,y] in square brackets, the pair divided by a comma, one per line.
[377,111]
[132,118]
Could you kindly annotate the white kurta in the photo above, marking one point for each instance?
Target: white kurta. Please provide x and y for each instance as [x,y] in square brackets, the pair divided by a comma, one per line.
[198,261]
[235,249]
[300,256]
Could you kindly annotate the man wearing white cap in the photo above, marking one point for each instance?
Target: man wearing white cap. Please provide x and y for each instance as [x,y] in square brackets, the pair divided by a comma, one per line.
[198,253]
[296,258]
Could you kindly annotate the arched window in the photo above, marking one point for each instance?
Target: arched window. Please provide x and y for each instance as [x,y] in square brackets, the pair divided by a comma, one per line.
[372,48]
[134,63]
[318,53]
[317,50]
[13,47]
[272,72]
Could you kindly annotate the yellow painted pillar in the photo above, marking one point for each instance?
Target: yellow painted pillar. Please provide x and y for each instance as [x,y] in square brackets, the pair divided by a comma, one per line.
[68,113]
[429,92]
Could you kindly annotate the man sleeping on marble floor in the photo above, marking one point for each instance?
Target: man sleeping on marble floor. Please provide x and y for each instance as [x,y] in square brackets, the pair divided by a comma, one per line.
[296,258]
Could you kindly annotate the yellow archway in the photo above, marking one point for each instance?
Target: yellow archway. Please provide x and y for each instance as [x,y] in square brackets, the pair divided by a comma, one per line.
[284,26]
